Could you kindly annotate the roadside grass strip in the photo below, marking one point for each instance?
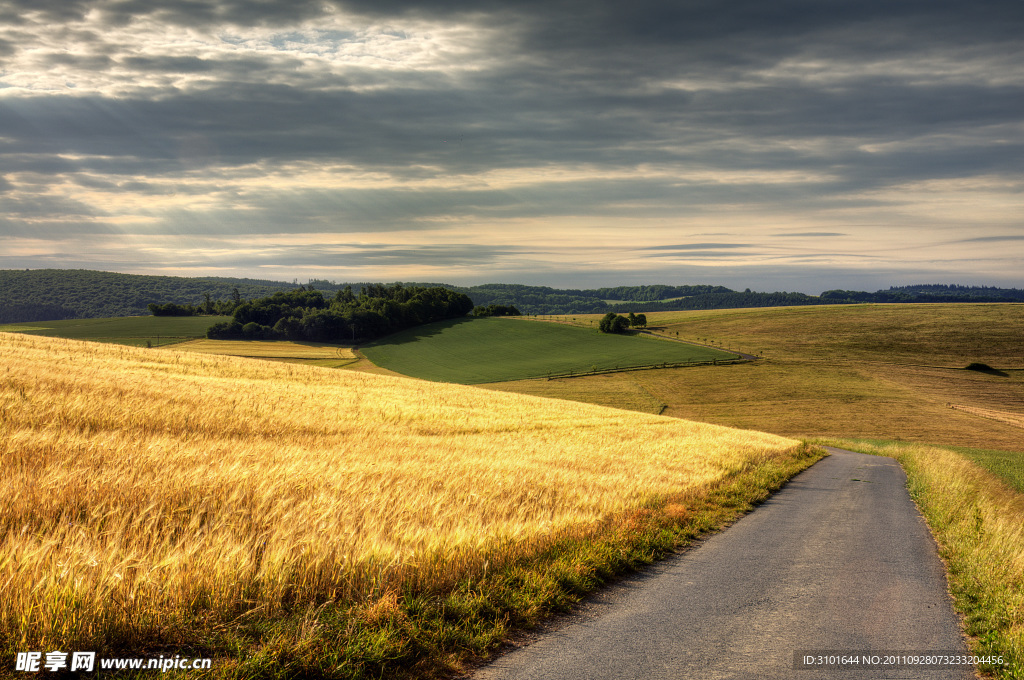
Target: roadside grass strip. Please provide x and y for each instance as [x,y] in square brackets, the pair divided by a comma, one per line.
[292,521]
[475,351]
[977,519]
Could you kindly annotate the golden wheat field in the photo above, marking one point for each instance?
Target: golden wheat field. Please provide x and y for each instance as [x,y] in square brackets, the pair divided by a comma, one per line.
[151,490]
[266,349]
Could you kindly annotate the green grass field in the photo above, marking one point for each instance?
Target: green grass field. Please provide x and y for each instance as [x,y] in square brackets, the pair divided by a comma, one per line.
[471,351]
[1006,465]
[127,330]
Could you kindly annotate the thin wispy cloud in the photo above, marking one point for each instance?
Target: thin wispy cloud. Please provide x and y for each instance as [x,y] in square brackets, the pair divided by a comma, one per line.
[994,239]
[538,142]
[811,234]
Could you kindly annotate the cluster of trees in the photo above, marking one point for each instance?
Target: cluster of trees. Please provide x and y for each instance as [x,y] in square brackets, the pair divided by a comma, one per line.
[20,313]
[172,309]
[210,307]
[616,323]
[496,310]
[377,310]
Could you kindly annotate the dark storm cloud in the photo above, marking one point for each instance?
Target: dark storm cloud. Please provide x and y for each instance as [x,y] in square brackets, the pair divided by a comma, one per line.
[172,64]
[582,95]
[582,98]
[661,22]
[244,124]
[53,10]
[235,125]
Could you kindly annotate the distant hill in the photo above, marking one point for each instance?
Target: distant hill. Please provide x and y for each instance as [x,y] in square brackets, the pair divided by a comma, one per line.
[545,300]
[51,294]
[938,289]
[935,292]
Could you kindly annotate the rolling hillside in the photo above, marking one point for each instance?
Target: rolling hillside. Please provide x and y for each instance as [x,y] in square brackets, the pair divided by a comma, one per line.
[475,351]
[893,371]
[275,516]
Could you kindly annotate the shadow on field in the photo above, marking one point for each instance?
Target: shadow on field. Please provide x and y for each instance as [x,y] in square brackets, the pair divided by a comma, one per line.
[985,368]
[418,332]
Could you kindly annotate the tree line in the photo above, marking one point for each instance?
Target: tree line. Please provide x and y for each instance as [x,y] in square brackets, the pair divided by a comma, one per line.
[927,293]
[209,307]
[496,310]
[49,294]
[305,314]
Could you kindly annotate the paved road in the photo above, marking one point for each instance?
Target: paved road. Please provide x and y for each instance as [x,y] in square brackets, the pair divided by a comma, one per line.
[838,560]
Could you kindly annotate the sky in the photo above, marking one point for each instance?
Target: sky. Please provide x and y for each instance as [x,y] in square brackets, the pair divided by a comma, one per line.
[785,145]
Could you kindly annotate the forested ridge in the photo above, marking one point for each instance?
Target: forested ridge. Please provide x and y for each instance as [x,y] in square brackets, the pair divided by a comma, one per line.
[50,294]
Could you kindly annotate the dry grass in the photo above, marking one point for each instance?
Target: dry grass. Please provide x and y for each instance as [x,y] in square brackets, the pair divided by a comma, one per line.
[978,522]
[1015,419]
[308,353]
[157,497]
[883,371]
[939,334]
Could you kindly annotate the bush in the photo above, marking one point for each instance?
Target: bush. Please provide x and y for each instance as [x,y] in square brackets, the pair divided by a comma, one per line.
[224,330]
[613,323]
[255,331]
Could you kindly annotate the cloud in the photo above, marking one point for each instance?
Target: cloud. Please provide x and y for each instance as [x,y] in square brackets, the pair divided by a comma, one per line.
[993,239]
[633,125]
[683,256]
[699,246]
[812,234]
[42,206]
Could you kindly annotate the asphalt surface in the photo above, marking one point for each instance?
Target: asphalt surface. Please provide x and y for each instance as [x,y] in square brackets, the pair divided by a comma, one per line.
[839,563]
